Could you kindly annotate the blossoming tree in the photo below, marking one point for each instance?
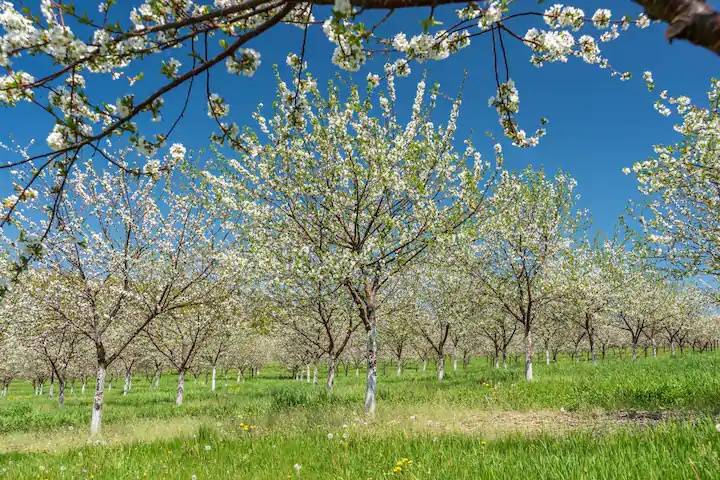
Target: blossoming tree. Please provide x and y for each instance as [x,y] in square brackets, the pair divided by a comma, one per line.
[520,244]
[58,54]
[347,182]
[123,252]
[680,183]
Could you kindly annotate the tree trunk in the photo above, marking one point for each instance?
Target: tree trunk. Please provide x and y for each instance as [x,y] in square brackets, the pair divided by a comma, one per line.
[315,375]
[424,365]
[672,348]
[399,368]
[126,386]
[96,419]
[213,381]
[307,372]
[371,386]
[454,363]
[441,367]
[634,350]
[528,356]
[61,392]
[547,357]
[180,388]
[593,355]
[330,382]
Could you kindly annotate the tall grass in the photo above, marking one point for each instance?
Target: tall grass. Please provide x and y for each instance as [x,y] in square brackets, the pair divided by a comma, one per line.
[295,420]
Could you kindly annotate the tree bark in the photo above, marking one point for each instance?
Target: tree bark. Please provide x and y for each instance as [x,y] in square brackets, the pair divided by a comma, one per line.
[691,20]
[213,380]
[61,392]
[96,419]
[180,387]
[528,356]
[371,386]
[126,386]
[330,383]
[441,367]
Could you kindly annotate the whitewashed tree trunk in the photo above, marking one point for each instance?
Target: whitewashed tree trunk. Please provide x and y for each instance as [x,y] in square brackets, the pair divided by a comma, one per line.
[497,361]
[126,386]
[634,350]
[213,380]
[441,367]
[307,373]
[398,372]
[180,388]
[330,383]
[357,372]
[672,348]
[528,356]
[424,365]
[82,388]
[547,357]
[315,375]
[593,354]
[96,418]
[454,363]
[61,392]
[51,390]
[654,348]
[371,386]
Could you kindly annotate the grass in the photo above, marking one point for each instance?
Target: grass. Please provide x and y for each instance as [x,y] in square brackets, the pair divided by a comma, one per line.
[650,419]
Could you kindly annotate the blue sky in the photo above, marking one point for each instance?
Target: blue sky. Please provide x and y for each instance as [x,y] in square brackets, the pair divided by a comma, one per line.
[598,124]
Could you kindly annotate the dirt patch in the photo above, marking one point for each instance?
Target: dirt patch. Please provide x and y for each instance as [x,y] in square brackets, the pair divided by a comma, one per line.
[495,424]
[649,418]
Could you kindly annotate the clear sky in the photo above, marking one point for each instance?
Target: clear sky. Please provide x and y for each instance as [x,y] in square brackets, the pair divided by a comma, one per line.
[598,124]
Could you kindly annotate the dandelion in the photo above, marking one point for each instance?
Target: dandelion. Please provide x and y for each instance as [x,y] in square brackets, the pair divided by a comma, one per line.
[297,468]
[208,448]
[401,465]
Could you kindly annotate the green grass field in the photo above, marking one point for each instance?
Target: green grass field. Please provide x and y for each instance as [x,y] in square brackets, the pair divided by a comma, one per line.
[655,418]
